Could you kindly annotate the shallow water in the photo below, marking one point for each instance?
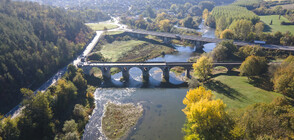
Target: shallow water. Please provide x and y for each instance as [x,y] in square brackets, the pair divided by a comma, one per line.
[163,118]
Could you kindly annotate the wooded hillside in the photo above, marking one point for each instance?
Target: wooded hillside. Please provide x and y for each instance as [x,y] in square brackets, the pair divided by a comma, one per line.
[35,41]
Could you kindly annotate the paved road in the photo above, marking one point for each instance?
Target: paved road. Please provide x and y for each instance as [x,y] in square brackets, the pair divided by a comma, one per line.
[205,39]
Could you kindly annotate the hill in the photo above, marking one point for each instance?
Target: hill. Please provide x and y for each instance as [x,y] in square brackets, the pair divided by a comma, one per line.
[35,42]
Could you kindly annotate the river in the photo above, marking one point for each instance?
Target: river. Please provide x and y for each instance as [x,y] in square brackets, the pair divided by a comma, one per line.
[163,118]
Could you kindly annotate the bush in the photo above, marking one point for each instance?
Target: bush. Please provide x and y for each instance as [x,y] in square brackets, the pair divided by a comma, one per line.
[227,34]
[248,50]
[284,80]
[261,120]
[97,56]
[253,66]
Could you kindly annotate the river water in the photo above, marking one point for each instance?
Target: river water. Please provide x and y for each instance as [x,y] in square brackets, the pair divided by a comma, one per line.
[163,118]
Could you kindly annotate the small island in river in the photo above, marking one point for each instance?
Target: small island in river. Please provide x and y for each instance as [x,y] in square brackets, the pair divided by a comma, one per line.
[118,119]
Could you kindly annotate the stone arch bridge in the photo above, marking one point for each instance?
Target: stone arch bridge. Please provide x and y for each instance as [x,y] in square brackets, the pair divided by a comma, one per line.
[145,67]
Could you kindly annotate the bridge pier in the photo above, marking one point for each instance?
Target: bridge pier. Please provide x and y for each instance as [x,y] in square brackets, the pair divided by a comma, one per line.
[106,74]
[229,68]
[166,40]
[125,74]
[165,73]
[188,75]
[145,72]
[199,45]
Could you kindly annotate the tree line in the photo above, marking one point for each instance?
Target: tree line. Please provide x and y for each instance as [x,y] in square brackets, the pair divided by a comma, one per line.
[35,42]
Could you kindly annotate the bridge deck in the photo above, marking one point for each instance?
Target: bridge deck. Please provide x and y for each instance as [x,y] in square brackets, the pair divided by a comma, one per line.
[208,40]
[113,64]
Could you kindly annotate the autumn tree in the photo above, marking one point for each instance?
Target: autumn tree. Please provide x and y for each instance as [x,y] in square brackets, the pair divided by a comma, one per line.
[273,120]
[203,67]
[284,77]
[227,34]
[253,66]
[164,25]
[206,118]
[259,26]
[205,14]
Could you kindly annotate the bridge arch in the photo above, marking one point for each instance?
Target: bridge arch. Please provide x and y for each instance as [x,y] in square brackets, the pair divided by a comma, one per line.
[116,73]
[135,73]
[156,73]
[96,72]
[179,74]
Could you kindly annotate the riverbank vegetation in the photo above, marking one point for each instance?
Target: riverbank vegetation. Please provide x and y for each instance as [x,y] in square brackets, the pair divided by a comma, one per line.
[35,42]
[118,119]
[61,112]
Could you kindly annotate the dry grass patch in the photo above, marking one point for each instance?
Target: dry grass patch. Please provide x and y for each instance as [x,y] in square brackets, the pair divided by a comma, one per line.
[119,119]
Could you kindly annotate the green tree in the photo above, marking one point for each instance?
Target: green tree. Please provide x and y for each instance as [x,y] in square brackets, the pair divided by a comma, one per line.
[36,122]
[203,67]
[150,12]
[79,111]
[65,93]
[231,47]
[253,66]
[219,53]
[79,81]
[241,28]
[206,5]
[189,22]
[248,50]
[70,128]
[9,130]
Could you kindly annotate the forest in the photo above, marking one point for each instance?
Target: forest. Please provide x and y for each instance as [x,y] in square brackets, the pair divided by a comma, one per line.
[35,42]
[59,113]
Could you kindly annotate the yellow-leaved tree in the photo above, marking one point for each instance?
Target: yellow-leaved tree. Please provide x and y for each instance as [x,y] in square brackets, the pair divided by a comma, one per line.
[206,118]
[203,67]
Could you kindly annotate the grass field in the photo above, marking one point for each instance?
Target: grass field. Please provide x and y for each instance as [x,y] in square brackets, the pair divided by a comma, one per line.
[237,93]
[100,26]
[117,49]
[276,26]
[133,50]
